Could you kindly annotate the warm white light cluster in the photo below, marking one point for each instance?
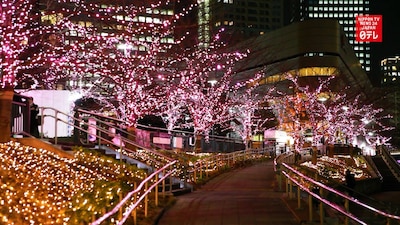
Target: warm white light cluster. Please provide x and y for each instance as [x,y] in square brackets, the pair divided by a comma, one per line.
[335,167]
[37,185]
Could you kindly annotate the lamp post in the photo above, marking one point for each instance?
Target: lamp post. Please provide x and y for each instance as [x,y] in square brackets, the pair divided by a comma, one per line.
[212,80]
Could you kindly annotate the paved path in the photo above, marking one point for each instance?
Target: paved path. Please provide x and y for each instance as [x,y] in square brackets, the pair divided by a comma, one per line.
[246,196]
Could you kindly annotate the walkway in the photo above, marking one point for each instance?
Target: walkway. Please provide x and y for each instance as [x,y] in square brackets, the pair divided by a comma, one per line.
[244,196]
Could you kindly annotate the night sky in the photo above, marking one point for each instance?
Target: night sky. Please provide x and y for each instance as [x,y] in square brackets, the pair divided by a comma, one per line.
[391,27]
[390,46]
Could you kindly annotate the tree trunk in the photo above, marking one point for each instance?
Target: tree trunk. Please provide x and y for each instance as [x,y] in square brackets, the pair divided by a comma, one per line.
[6,97]
[314,155]
[197,143]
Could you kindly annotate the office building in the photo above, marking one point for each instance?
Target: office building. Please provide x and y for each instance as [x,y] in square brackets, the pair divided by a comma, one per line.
[390,71]
[243,19]
[313,49]
[135,26]
[345,11]
[240,19]
[390,82]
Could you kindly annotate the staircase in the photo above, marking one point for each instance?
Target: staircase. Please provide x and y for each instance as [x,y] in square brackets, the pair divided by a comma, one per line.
[390,183]
[146,159]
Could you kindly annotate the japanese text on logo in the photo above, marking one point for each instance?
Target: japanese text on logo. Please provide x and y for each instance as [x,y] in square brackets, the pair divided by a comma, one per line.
[369,28]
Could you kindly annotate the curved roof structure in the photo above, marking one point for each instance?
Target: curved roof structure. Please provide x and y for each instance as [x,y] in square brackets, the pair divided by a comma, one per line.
[310,49]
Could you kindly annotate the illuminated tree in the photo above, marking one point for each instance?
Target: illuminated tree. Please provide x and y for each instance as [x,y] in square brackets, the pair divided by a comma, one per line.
[28,46]
[289,109]
[350,119]
[173,110]
[17,27]
[310,108]
[206,82]
[120,56]
[250,113]
[327,114]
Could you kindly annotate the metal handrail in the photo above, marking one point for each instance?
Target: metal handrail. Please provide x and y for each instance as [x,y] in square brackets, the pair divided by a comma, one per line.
[225,159]
[304,183]
[391,163]
[143,185]
[221,160]
[160,174]
[123,150]
[99,128]
[375,169]
[214,137]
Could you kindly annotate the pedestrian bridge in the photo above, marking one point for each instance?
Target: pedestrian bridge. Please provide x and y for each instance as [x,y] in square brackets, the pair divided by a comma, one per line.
[252,195]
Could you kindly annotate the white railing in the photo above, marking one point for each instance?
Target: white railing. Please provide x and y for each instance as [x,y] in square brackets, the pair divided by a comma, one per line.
[165,167]
[391,162]
[283,165]
[214,163]
[145,187]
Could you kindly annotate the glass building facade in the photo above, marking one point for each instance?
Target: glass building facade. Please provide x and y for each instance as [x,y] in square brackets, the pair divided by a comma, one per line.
[390,70]
[240,19]
[345,11]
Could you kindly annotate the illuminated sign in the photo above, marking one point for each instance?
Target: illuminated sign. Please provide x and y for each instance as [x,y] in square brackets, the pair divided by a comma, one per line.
[369,28]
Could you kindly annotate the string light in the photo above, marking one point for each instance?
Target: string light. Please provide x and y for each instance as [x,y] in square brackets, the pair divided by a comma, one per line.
[339,119]
[38,186]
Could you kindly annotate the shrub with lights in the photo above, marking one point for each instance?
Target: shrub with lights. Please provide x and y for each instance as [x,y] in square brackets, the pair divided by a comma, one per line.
[38,186]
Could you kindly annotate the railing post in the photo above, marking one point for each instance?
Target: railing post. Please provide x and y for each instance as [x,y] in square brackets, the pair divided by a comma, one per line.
[120,149]
[146,200]
[194,173]
[55,129]
[120,209]
[163,184]
[321,207]
[134,212]
[156,191]
[346,206]
[98,136]
[215,161]
[310,208]
[298,197]
[207,168]
[41,123]
[280,180]
[170,180]
[201,170]
[287,187]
